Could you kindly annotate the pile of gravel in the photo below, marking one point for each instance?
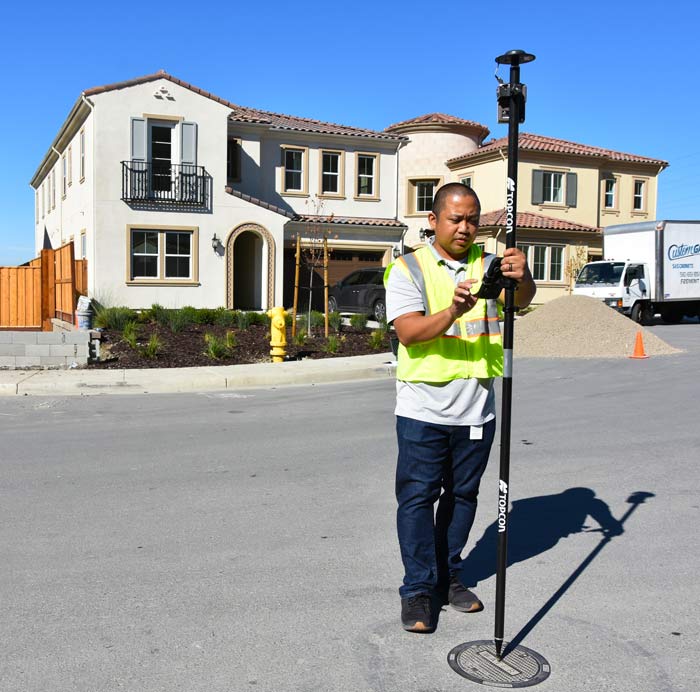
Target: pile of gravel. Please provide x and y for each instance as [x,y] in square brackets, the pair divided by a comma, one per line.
[581,327]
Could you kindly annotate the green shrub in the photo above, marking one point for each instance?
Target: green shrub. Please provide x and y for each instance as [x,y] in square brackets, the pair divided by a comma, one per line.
[358,321]
[333,343]
[152,348]
[376,339]
[159,315]
[225,318]
[130,334]
[300,337]
[335,321]
[259,318]
[288,318]
[318,319]
[219,347]
[205,316]
[114,318]
[243,319]
[191,313]
[180,319]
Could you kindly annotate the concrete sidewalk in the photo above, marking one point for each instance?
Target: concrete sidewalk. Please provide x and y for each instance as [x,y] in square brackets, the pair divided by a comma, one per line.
[168,380]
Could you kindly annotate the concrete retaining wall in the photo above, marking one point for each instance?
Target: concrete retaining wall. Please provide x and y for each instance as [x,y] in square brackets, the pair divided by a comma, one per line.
[21,350]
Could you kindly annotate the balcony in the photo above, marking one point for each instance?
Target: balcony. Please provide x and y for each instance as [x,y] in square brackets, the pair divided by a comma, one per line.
[165,184]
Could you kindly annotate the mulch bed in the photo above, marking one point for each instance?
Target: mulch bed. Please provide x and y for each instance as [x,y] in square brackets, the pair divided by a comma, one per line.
[186,348]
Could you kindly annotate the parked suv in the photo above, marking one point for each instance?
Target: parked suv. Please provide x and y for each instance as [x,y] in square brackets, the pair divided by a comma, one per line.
[362,291]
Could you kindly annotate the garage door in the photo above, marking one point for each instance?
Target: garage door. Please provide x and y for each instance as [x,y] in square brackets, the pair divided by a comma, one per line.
[340,264]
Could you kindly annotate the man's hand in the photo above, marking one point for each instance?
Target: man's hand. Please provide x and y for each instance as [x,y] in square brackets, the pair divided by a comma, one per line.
[415,327]
[514,266]
[462,300]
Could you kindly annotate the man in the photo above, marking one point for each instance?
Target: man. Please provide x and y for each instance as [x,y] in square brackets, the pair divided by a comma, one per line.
[450,350]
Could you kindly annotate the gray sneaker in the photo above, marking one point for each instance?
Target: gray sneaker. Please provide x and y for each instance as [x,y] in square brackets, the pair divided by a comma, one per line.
[417,613]
[463,599]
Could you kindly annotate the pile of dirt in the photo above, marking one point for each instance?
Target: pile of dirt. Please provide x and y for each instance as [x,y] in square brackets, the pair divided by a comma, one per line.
[581,327]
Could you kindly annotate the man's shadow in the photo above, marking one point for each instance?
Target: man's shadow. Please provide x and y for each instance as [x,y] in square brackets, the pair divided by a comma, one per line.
[535,525]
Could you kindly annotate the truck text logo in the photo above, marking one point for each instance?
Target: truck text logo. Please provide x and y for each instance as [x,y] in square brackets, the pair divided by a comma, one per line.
[683,250]
[502,505]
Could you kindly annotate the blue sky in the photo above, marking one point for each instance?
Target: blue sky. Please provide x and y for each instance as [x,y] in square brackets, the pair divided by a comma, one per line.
[615,74]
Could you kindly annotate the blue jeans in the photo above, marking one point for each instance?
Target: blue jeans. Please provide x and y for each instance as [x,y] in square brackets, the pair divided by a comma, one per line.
[432,458]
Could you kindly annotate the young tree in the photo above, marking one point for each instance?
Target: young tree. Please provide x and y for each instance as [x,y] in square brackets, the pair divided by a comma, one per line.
[577,258]
[312,250]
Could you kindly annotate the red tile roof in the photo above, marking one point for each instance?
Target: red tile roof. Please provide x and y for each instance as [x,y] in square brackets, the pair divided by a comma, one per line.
[532,142]
[252,115]
[312,218]
[530,220]
[351,220]
[279,121]
[437,119]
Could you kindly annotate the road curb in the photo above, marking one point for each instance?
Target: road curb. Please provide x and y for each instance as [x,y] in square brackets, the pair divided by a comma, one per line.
[86,382]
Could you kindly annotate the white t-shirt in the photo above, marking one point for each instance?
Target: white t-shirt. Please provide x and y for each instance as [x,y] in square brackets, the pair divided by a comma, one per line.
[467,401]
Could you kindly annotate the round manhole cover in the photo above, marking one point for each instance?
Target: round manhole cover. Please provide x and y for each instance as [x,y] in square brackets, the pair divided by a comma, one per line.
[477,661]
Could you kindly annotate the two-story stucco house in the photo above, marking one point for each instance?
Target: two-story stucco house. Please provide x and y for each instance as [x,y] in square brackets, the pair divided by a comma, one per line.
[179,197]
[567,192]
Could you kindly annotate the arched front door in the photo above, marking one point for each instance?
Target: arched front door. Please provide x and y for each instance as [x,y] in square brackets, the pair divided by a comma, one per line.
[250,268]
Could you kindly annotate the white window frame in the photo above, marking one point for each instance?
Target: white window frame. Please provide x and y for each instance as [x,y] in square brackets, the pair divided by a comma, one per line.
[83,244]
[414,187]
[64,176]
[156,255]
[529,249]
[374,176]
[549,175]
[639,196]
[53,188]
[339,175]
[303,172]
[610,190]
[161,256]
[425,191]
[70,165]
[551,251]
[81,138]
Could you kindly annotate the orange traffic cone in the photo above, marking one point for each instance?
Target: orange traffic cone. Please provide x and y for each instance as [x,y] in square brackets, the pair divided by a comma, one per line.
[639,347]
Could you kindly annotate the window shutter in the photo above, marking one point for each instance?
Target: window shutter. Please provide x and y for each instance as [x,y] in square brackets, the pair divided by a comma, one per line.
[571,185]
[189,144]
[138,139]
[537,187]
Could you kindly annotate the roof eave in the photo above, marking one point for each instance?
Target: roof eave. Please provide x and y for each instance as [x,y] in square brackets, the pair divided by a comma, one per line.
[76,117]
[502,151]
[479,130]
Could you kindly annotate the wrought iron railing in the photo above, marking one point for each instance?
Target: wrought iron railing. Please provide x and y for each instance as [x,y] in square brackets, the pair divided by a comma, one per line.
[156,182]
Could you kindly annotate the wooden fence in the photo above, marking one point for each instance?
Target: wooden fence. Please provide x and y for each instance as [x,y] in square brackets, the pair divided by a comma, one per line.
[20,297]
[30,296]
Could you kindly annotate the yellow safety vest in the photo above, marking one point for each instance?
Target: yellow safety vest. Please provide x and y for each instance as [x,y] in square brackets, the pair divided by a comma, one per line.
[472,347]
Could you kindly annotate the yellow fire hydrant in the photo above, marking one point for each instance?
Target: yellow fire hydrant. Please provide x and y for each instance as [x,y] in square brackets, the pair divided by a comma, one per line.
[278,334]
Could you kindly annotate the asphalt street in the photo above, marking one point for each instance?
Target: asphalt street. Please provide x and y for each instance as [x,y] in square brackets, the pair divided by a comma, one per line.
[244,540]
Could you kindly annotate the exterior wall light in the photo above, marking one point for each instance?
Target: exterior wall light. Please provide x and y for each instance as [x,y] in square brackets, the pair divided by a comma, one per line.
[215,242]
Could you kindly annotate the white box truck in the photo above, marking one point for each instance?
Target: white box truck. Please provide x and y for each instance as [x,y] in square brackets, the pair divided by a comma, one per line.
[649,267]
